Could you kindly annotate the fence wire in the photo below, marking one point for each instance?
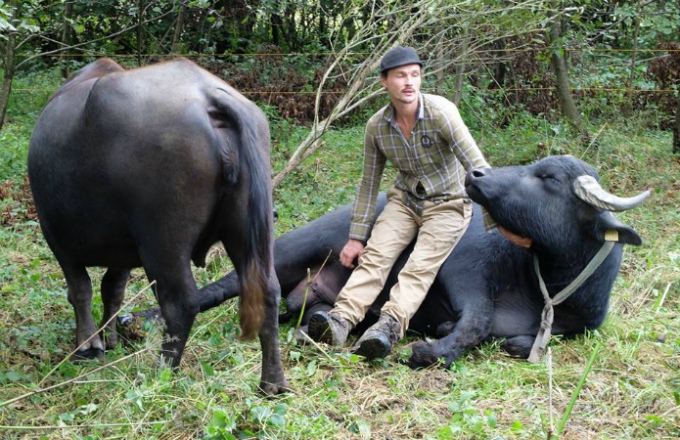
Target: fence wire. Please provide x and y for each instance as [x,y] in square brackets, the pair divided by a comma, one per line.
[342,92]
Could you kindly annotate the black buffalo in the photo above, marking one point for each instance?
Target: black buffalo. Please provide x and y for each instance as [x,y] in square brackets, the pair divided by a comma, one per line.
[150,167]
[488,286]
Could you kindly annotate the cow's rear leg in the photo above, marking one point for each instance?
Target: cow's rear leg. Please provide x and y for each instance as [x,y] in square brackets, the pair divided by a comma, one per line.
[80,297]
[470,331]
[178,300]
[113,292]
[272,380]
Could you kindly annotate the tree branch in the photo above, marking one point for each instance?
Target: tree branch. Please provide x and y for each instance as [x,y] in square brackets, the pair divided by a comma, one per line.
[398,24]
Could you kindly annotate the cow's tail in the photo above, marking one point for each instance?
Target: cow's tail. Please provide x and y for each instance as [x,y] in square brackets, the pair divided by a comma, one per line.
[257,254]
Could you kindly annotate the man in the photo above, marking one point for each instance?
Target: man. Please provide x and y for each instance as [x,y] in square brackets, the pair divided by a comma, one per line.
[425,138]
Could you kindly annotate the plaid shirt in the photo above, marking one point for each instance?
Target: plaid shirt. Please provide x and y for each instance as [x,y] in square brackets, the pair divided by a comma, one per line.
[432,161]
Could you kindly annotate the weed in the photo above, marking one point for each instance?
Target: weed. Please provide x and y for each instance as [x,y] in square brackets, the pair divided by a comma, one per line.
[631,391]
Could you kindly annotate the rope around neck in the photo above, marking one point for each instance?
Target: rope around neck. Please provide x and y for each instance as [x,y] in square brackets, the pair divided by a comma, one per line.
[548,314]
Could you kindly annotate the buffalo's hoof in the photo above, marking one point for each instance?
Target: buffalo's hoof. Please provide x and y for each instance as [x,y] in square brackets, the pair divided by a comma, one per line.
[272,389]
[88,355]
[422,355]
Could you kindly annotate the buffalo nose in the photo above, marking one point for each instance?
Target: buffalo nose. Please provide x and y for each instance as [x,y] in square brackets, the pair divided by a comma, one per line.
[478,172]
[474,174]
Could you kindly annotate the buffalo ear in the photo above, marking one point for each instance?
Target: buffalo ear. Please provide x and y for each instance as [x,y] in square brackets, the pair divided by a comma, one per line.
[609,228]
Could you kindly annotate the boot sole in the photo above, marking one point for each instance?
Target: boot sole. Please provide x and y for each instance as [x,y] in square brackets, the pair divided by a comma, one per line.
[373,348]
[319,329]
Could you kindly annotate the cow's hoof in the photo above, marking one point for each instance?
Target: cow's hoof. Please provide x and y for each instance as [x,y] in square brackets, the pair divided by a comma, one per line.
[88,355]
[272,389]
[422,355]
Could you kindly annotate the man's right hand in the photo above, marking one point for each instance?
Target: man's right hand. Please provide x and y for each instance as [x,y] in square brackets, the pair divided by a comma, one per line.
[353,249]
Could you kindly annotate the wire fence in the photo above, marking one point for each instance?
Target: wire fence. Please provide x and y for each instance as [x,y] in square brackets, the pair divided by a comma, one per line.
[598,89]
[342,92]
[324,54]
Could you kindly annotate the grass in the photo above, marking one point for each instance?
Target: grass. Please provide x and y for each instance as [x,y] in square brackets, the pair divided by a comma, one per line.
[631,391]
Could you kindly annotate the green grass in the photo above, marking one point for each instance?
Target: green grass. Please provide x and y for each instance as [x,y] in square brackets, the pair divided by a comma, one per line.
[632,390]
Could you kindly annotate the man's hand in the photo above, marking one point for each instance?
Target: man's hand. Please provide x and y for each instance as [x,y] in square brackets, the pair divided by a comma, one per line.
[353,249]
[516,239]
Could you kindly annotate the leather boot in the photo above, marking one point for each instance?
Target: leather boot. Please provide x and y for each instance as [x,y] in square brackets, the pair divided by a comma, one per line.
[377,341]
[329,328]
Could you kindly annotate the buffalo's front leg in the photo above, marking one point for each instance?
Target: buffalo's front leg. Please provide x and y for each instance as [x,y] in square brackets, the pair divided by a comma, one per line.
[469,331]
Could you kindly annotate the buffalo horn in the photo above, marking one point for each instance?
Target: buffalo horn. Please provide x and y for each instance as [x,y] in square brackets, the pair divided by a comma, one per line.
[589,190]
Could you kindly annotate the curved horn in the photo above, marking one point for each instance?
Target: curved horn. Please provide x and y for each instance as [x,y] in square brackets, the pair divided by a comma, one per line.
[589,190]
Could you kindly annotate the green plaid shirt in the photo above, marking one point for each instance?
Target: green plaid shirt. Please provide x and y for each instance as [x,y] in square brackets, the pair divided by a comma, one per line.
[432,161]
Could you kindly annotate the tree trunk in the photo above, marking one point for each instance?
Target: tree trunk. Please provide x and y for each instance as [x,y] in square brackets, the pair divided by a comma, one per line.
[628,105]
[174,48]
[676,131]
[349,24]
[460,72]
[206,37]
[276,24]
[8,73]
[290,32]
[66,39]
[322,31]
[559,65]
[439,65]
[140,30]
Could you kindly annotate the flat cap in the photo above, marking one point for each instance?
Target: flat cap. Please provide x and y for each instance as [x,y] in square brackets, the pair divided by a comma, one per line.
[399,56]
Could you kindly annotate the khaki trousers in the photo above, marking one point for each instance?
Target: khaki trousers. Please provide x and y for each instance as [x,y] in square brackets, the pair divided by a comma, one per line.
[438,230]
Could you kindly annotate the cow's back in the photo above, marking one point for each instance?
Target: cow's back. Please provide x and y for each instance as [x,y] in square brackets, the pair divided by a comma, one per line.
[110,152]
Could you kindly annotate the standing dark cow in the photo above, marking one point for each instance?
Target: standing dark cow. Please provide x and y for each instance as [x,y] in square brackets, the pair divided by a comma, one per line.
[488,286]
[150,167]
